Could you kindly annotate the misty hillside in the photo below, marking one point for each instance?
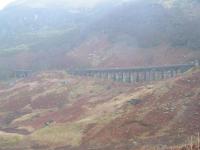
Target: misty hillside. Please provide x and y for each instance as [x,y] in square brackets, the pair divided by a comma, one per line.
[43,35]
[100,75]
[150,24]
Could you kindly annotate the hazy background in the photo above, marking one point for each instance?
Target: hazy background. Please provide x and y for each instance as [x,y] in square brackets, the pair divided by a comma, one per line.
[44,34]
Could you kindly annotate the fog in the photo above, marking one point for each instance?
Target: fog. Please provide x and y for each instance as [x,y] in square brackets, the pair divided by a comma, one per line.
[46,3]
[99,74]
[49,34]
[4,3]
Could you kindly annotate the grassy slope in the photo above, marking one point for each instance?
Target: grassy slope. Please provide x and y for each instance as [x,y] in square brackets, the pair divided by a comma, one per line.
[59,110]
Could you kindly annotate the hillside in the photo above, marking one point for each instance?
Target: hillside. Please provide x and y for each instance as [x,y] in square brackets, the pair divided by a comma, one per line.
[41,35]
[53,110]
[142,33]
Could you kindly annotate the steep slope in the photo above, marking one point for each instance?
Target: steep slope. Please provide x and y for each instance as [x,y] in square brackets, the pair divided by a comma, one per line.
[46,36]
[56,110]
[37,34]
[101,52]
[142,33]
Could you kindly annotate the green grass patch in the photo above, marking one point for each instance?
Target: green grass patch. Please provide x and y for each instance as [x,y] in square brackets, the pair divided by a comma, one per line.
[70,134]
[9,140]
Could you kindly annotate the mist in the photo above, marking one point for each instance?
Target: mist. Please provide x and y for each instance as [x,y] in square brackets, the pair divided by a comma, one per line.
[99,74]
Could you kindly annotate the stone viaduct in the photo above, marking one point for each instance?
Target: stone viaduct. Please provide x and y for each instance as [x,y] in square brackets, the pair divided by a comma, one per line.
[134,75]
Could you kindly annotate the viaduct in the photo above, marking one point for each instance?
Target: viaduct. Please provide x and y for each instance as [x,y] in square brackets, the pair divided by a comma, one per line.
[127,75]
[134,75]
